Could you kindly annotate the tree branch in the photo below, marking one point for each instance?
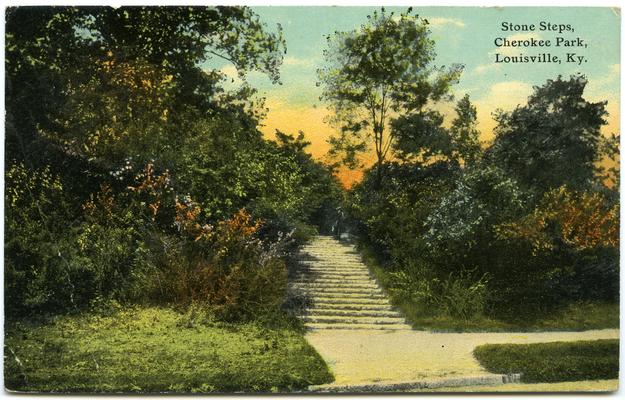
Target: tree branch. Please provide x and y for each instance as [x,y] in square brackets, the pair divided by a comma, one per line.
[222,56]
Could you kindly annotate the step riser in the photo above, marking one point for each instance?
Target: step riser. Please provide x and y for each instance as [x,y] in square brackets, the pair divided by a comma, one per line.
[337,283]
[319,301]
[351,308]
[355,321]
[334,267]
[315,327]
[336,274]
[335,289]
[338,290]
[312,278]
[343,296]
[342,261]
[337,286]
[354,313]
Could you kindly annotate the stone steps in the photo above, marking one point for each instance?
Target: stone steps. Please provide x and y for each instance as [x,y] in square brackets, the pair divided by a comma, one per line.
[344,271]
[339,290]
[395,327]
[337,312]
[342,262]
[344,289]
[326,281]
[351,306]
[325,302]
[344,295]
[353,320]
[340,274]
[335,285]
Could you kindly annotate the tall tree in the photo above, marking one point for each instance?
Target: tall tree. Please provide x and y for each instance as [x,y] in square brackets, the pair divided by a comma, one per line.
[464,133]
[376,72]
[100,82]
[554,140]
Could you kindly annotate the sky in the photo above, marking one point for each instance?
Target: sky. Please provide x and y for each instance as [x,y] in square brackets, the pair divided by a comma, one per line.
[463,35]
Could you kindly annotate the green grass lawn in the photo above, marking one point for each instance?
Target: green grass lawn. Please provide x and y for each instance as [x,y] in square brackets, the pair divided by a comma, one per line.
[575,317]
[155,350]
[553,362]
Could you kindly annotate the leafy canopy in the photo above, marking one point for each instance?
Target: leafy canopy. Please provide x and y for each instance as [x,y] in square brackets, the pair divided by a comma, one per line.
[554,140]
[378,71]
[126,81]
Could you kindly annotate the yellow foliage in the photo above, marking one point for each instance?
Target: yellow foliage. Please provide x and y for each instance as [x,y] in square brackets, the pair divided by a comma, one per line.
[153,186]
[186,219]
[582,220]
[240,225]
[100,205]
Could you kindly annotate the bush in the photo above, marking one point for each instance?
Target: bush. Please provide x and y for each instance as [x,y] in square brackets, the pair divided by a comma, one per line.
[571,240]
[44,272]
[464,297]
[224,268]
[140,244]
[553,362]
[458,296]
[391,217]
[434,227]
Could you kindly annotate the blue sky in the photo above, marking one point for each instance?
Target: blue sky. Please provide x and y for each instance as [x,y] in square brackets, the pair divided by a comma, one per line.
[463,35]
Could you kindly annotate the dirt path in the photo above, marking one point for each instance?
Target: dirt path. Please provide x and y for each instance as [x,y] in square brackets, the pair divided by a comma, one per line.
[364,357]
[368,345]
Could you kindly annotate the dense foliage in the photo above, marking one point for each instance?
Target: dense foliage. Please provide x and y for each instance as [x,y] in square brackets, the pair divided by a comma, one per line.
[133,175]
[514,232]
[377,72]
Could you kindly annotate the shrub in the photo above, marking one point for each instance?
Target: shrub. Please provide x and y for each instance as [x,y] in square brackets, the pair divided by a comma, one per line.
[224,268]
[573,237]
[553,362]
[140,244]
[460,295]
[43,271]
[464,218]
[579,220]
[391,217]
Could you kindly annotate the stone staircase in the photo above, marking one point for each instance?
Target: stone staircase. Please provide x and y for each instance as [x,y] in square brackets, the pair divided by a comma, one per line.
[332,289]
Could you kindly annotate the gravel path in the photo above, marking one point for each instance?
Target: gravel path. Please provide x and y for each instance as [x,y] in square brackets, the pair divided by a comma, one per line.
[361,357]
[367,343]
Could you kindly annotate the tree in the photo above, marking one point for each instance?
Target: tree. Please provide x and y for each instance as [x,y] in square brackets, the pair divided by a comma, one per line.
[554,140]
[421,136]
[93,95]
[376,72]
[98,82]
[464,133]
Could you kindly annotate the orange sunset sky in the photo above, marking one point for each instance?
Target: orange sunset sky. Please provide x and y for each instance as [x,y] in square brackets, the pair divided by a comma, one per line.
[464,35]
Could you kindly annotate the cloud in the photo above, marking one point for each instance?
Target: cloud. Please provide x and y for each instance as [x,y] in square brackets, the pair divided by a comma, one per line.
[606,87]
[294,61]
[507,95]
[606,82]
[438,22]
[502,95]
[615,69]
[230,71]
[486,68]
